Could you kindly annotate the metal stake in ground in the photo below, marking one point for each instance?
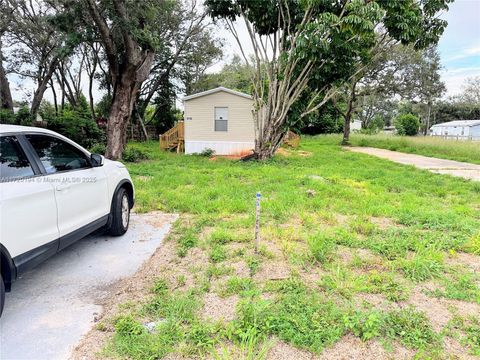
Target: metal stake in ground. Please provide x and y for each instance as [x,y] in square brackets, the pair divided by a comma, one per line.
[257,221]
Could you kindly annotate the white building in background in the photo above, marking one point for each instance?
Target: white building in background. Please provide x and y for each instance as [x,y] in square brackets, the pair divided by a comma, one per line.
[356,125]
[457,130]
[219,119]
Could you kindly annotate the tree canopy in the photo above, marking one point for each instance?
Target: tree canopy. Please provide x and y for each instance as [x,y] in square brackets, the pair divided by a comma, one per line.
[316,44]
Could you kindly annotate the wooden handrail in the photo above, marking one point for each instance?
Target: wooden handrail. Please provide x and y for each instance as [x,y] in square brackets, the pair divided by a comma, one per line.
[173,137]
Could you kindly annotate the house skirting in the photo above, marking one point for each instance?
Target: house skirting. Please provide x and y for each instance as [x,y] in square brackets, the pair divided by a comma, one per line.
[220,147]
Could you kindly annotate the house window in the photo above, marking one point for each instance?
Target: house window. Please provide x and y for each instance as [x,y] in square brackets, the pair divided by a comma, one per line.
[221,118]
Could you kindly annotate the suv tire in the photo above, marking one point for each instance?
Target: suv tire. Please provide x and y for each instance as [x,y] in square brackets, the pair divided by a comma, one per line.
[2,294]
[120,214]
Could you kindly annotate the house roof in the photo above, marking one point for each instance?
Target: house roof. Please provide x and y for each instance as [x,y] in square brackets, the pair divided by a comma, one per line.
[218,89]
[458,123]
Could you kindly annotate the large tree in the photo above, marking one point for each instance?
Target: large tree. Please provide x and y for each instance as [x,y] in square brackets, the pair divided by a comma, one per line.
[394,70]
[471,91]
[36,45]
[6,101]
[141,43]
[315,44]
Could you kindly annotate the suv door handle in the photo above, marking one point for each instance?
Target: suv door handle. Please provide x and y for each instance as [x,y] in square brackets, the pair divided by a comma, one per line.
[62,187]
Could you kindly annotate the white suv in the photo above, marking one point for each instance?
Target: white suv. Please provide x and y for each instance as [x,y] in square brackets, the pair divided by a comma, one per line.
[53,192]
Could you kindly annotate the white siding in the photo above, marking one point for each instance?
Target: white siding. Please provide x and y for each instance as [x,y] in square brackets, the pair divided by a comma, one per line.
[475,132]
[220,147]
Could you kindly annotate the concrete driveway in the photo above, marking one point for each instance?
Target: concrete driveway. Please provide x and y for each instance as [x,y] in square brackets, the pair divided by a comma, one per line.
[53,306]
[439,166]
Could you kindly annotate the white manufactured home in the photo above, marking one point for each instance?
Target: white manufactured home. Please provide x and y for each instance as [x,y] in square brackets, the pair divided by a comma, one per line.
[457,130]
[219,119]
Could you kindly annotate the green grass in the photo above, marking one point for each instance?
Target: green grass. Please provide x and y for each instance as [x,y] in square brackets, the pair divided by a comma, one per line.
[429,217]
[466,151]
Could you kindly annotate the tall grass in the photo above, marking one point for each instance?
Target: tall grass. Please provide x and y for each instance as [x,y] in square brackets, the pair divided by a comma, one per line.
[466,151]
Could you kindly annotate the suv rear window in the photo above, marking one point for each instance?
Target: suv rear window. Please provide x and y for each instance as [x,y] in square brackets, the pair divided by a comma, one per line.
[13,162]
[57,155]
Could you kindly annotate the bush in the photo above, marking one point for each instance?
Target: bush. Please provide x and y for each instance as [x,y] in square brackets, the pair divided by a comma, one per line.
[207,152]
[134,155]
[76,126]
[407,124]
[23,117]
[7,117]
[98,149]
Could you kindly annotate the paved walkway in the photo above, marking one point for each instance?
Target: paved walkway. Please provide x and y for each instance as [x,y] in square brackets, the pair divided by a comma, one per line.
[439,166]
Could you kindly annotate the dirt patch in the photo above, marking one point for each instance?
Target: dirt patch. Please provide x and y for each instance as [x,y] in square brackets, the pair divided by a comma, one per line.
[376,301]
[272,270]
[436,311]
[156,218]
[439,310]
[469,260]
[304,153]
[342,219]
[282,350]
[384,222]
[368,260]
[311,276]
[283,152]
[216,308]
[454,350]
[240,269]
[351,347]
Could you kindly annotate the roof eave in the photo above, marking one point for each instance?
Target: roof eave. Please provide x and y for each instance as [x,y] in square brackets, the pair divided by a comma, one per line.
[215,90]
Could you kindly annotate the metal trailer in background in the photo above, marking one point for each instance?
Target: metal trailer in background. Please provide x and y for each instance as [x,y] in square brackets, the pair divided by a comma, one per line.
[457,130]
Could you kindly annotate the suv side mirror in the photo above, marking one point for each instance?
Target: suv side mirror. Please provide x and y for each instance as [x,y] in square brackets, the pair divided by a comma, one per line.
[97,160]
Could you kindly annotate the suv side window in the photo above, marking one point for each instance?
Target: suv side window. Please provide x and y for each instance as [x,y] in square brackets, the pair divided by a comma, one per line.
[13,162]
[57,155]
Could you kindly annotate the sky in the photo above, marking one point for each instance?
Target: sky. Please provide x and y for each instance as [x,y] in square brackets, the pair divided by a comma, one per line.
[459,46]
[459,49]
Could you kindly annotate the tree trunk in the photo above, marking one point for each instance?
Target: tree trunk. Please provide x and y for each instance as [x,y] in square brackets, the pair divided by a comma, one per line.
[427,125]
[42,86]
[124,95]
[90,95]
[54,93]
[348,116]
[268,142]
[6,101]
[142,125]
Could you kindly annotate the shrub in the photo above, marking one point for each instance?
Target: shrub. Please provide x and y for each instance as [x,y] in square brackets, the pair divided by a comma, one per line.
[207,152]
[76,126]
[134,155]
[7,117]
[407,124]
[98,149]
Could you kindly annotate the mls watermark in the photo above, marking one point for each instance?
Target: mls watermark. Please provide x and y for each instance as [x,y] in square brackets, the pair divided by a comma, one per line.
[52,180]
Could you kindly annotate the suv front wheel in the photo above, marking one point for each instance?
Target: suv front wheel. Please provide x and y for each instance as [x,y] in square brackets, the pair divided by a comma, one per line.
[120,213]
[2,294]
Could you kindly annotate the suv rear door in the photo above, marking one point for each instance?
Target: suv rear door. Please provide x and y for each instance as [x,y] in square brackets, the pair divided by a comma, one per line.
[28,211]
